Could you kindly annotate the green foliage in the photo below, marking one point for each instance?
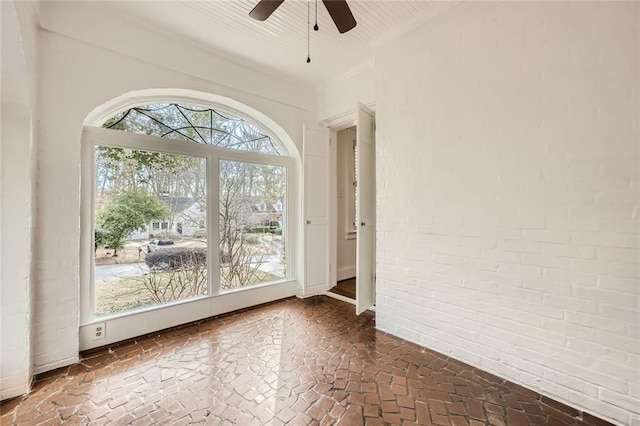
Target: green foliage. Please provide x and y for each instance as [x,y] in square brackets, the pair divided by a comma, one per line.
[115,157]
[100,238]
[127,213]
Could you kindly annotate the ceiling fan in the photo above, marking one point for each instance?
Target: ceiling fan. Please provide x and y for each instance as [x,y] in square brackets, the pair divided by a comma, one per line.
[338,10]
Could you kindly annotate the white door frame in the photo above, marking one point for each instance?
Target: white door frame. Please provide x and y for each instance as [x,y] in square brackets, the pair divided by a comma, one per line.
[335,124]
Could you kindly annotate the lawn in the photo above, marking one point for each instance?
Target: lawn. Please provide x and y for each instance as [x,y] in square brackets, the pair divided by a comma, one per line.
[127,293]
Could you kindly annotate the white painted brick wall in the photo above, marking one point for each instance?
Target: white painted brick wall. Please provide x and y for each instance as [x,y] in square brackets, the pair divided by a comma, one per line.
[16,194]
[508,175]
[15,249]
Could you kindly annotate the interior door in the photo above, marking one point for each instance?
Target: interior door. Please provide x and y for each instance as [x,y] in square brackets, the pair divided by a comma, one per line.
[316,165]
[365,210]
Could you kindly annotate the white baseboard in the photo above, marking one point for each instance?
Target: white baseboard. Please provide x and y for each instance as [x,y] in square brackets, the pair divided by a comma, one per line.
[56,364]
[314,291]
[346,272]
[15,385]
[340,297]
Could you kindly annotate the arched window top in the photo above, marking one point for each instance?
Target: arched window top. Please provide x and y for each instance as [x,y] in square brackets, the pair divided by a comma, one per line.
[196,124]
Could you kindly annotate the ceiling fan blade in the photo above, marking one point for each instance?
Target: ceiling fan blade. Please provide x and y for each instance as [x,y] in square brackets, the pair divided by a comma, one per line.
[341,14]
[264,9]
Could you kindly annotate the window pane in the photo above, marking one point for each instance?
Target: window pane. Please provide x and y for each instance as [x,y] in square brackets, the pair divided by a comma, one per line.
[150,234]
[252,224]
[195,124]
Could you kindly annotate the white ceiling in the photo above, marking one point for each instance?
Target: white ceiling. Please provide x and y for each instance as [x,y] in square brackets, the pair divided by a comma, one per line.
[279,45]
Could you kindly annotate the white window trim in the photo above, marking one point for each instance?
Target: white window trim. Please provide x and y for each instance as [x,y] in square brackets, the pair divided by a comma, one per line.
[118,326]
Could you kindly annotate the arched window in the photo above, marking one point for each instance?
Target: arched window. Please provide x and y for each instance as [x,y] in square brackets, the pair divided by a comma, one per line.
[187,203]
[193,123]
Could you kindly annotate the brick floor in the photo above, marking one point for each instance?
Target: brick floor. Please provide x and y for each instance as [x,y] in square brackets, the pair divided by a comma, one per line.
[297,362]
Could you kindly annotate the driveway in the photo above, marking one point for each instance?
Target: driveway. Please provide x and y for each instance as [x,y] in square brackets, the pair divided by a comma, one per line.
[270,264]
[105,272]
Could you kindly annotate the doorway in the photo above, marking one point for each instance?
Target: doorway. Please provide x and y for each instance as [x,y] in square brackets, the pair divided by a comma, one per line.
[353,221]
[346,229]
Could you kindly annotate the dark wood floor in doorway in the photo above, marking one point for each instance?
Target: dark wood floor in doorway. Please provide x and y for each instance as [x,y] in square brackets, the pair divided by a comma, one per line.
[295,362]
[346,288]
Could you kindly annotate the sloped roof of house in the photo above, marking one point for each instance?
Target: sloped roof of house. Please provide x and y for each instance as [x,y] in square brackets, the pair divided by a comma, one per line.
[177,204]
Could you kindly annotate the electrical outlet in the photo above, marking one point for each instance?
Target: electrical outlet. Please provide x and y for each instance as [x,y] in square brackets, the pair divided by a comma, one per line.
[99,331]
